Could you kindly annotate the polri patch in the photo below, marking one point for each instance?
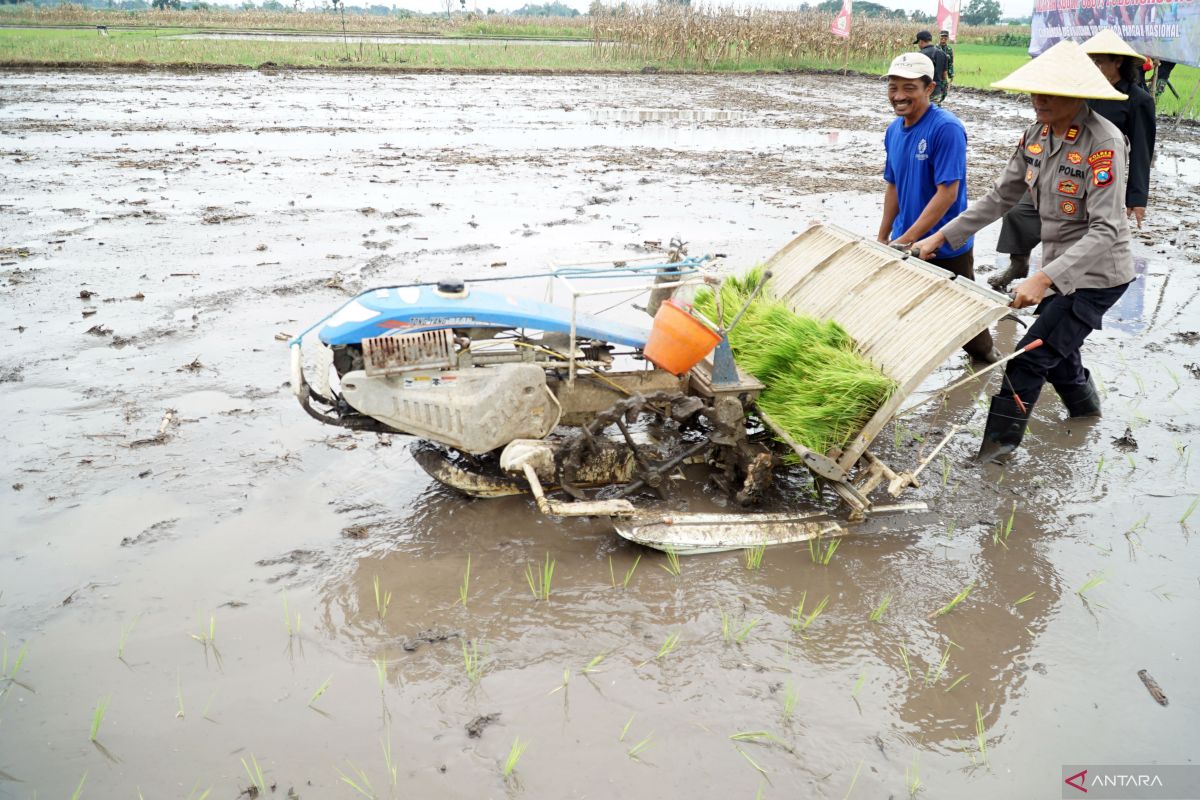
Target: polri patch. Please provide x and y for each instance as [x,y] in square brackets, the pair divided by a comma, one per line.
[1072,133]
[1068,187]
[1101,164]
[1035,148]
[1068,207]
[1074,157]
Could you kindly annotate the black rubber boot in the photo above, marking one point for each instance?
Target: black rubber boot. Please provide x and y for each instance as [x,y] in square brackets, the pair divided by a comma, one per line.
[1004,430]
[1081,401]
[1018,269]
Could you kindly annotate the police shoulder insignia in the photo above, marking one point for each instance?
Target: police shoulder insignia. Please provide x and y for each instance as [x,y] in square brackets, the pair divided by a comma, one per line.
[1101,164]
[1068,207]
[1068,187]
[1035,148]
[1045,131]
[1074,157]
[1072,133]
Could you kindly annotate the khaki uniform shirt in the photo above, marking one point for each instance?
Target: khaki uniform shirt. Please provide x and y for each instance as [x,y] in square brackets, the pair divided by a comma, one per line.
[1077,184]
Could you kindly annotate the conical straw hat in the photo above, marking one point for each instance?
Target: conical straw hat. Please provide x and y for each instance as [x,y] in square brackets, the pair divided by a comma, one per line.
[1107,41]
[1063,70]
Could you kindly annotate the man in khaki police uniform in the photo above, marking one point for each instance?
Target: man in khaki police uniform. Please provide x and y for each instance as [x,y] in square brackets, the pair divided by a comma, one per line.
[1074,163]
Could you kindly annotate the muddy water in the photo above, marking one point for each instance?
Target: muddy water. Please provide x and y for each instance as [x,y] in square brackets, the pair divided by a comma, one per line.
[229,548]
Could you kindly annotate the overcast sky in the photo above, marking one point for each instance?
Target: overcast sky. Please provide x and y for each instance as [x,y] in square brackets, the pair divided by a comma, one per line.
[1010,8]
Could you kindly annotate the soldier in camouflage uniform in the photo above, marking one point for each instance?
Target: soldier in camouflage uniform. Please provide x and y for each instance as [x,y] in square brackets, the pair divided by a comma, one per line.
[945,46]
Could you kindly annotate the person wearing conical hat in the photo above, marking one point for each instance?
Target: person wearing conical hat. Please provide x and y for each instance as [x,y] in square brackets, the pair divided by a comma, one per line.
[1134,116]
[1074,165]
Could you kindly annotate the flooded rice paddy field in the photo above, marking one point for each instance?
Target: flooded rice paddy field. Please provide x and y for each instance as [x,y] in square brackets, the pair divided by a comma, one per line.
[183,546]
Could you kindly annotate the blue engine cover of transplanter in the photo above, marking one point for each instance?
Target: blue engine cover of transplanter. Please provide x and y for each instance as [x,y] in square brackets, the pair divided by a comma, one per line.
[409,309]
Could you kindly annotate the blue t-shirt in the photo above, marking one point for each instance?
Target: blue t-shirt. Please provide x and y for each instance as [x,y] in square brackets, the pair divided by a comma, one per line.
[932,152]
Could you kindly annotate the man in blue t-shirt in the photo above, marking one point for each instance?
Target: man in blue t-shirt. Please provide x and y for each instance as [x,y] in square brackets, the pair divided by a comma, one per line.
[926,174]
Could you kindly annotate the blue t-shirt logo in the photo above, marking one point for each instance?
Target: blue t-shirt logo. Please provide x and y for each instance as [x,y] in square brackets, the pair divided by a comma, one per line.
[921,148]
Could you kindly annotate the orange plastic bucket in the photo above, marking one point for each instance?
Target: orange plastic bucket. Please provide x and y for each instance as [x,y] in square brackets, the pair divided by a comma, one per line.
[678,341]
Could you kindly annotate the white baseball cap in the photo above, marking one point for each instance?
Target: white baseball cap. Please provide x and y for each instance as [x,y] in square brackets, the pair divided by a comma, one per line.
[911,65]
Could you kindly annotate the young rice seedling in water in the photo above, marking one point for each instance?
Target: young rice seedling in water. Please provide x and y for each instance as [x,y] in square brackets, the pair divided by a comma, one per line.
[881,609]
[672,565]
[539,581]
[472,662]
[958,598]
[382,599]
[514,755]
[98,716]
[754,556]
[464,588]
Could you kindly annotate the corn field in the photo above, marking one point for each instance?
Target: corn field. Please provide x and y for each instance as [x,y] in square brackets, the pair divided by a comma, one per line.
[701,37]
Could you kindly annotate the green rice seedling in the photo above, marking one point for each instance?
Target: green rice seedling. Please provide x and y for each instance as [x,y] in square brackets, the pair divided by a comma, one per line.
[562,686]
[192,794]
[464,588]
[904,658]
[1195,502]
[823,555]
[950,527]
[1100,465]
[472,662]
[380,672]
[383,599]
[980,734]
[539,581]
[790,698]
[672,565]
[853,780]
[593,664]
[210,637]
[359,783]
[745,631]
[8,672]
[754,556]
[945,471]
[858,684]
[1132,462]
[389,759]
[726,628]
[1091,583]
[292,628]
[1174,377]
[320,691]
[800,622]
[126,630]
[612,575]
[208,706]
[625,729]
[179,695]
[79,789]
[881,609]
[256,774]
[667,647]
[1004,529]
[629,572]
[953,604]
[514,755]
[1025,599]
[912,777]
[641,747]
[958,680]
[98,716]
[932,676]
[752,762]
